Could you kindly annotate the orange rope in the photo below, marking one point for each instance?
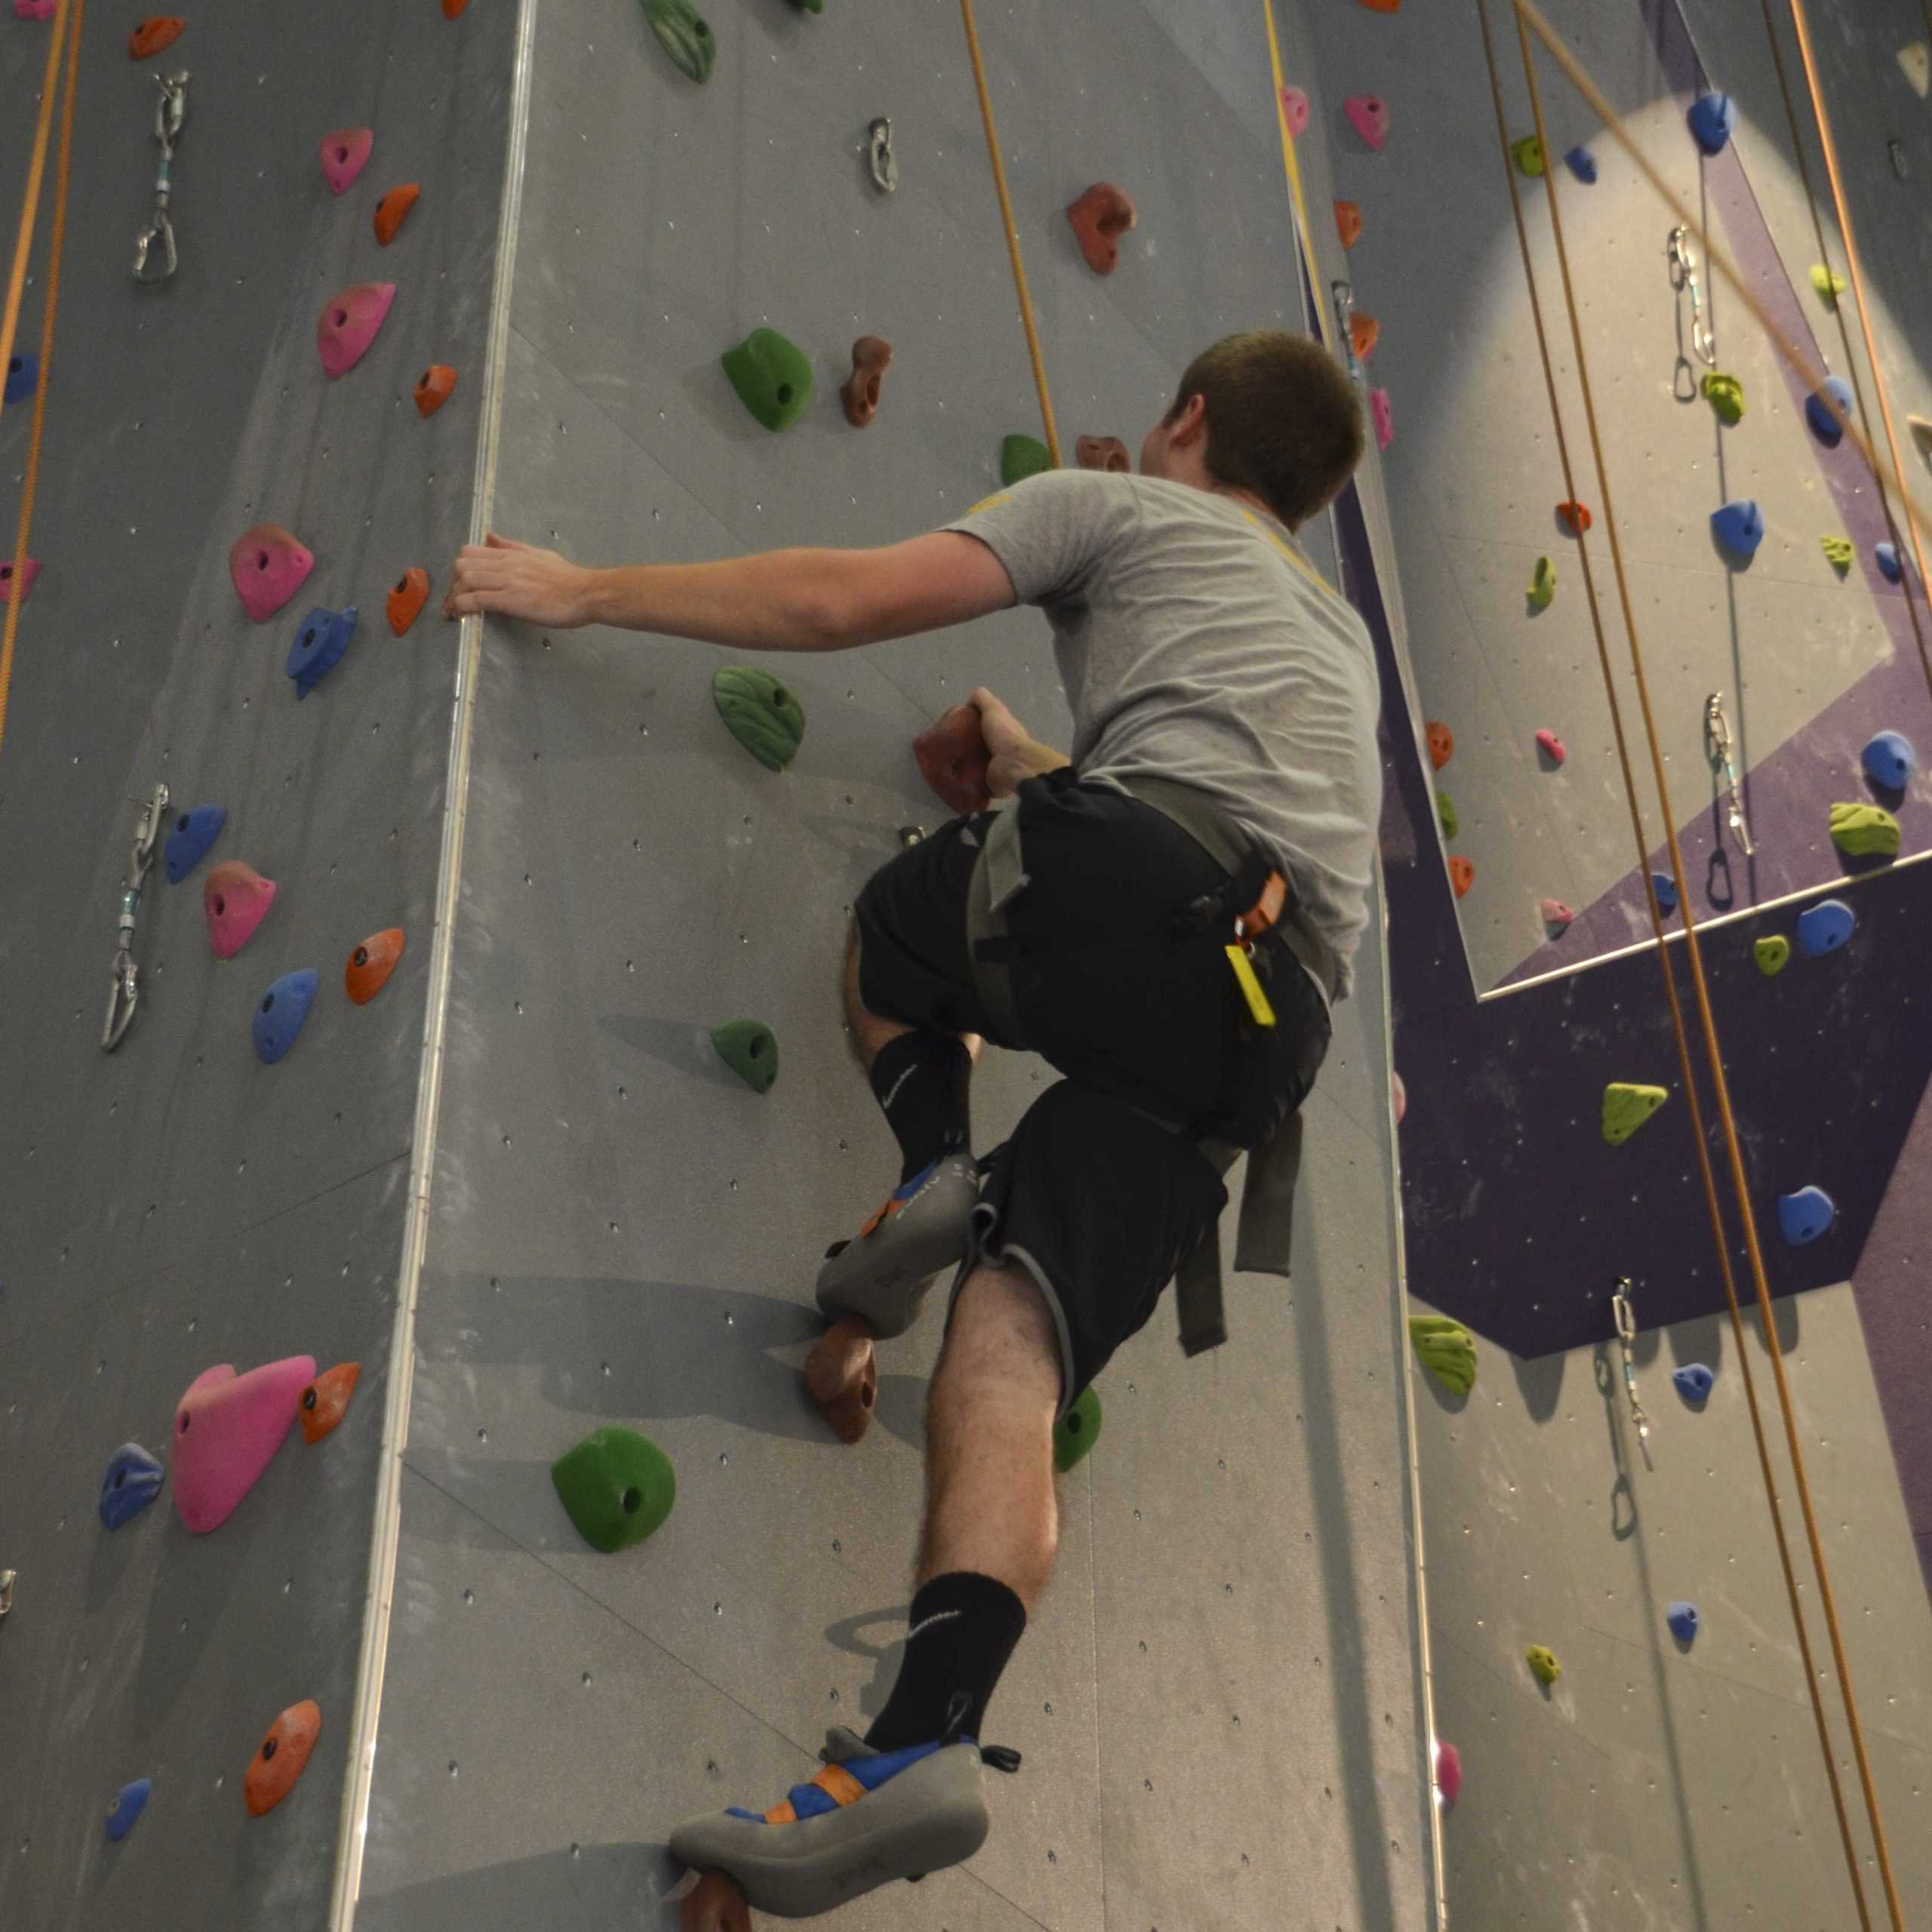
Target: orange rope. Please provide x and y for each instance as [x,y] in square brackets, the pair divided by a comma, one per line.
[1526,12]
[1012,233]
[17,288]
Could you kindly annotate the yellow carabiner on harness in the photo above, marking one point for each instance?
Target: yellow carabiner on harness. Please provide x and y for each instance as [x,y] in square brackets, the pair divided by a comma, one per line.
[1258,1010]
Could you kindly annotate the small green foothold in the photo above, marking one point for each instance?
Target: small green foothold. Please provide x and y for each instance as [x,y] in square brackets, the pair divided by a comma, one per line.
[1838,550]
[1445,816]
[1771,954]
[761,714]
[1828,284]
[1725,394]
[1542,584]
[685,33]
[772,376]
[1859,831]
[750,1048]
[1448,1350]
[1022,457]
[809,6]
[1077,1432]
[618,1487]
[1542,1663]
[1528,152]
[1625,1108]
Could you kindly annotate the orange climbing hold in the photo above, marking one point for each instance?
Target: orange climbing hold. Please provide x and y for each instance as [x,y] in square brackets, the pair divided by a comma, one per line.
[1575,518]
[1364,331]
[871,356]
[1347,223]
[1103,453]
[325,1400]
[842,1377]
[392,211]
[1461,875]
[451,8]
[283,1758]
[433,388]
[1383,6]
[407,595]
[1099,218]
[716,1904]
[1441,744]
[151,35]
[371,964]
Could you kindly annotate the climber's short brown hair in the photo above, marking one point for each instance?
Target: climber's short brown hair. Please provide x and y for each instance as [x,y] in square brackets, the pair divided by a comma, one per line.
[1283,419]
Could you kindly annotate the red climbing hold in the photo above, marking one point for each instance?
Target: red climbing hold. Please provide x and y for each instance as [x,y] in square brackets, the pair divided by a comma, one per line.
[1368,115]
[371,964]
[345,154]
[716,1904]
[151,35]
[227,1428]
[33,10]
[1105,453]
[283,1758]
[1552,747]
[871,356]
[1555,914]
[325,1401]
[269,567]
[452,8]
[25,576]
[952,757]
[1099,218]
[1364,331]
[407,595]
[1448,1771]
[1441,744]
[392,211]
[236,899]
[346,328]
[434,388]
[1575,518]
[1382,6]
[1461,875]
[1382,414]
[1347,223]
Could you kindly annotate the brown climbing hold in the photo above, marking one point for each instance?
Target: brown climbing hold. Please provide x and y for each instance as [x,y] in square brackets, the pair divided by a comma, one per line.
[407,595]
[371,964]
[452,9]
[1364,331]
[433,388]
[1347,223]
[871,356]
[283,1758]
[952,756]
[1106,452]
[151,35]
[1441,744]
[1101,217]
[716,1904]
[392,211]
[842,1377]
[325,1400]
[1461,875]
[1575,518]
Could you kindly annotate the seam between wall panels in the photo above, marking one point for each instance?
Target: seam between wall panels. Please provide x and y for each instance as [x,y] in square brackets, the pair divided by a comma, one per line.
[385,1531]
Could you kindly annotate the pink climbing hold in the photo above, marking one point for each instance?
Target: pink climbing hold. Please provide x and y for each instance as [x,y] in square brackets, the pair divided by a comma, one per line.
[1382,413]
[347,326]
[236,899]
[345,154]
[1294,105]
[1550,745]
[27,572]
[1555,914]
[1448,1770]
[227,1431]
[269,567]
[1368,115]
[33,10]
[1398,1094]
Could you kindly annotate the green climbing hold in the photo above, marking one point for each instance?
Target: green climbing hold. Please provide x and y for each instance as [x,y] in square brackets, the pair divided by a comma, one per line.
[1528,153]
[750,1048]
[1445,816]
[1771,954]
[617,1486]
[1859,831]
[1837,550]
[772,376]
[809,6]
[1725,394]
[1828,283]
[1625,1108]
[685,33]
[1022,457]
[1542,1663]
[1448,1350]
[1077,1432]
[1542,584]
[763,715]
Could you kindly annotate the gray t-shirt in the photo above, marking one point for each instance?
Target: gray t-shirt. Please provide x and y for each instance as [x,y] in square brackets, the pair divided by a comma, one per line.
[1197,644]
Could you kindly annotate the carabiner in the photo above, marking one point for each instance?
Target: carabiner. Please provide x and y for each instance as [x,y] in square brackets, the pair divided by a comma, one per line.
[1626,1317]
[884,163]
[1718,750]
[1683,259]
[125,991]
[169,112]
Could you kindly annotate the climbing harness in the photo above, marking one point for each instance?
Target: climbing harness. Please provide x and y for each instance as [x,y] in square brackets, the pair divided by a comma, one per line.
[170,111]
[126,989]
[1717,748]
[884,162]
[1627,1333]
[1683,260]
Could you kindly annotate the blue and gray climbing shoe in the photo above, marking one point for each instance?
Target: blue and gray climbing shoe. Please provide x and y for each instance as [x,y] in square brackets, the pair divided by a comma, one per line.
[867,1819]
[882,1276]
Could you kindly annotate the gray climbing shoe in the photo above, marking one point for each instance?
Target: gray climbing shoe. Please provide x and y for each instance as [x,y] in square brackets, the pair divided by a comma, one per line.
[882,1276]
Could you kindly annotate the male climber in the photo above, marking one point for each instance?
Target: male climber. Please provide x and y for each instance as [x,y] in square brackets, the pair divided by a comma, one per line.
[1166,917]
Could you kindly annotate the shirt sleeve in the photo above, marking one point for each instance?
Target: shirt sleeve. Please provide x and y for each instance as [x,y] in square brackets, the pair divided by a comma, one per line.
[1053,533]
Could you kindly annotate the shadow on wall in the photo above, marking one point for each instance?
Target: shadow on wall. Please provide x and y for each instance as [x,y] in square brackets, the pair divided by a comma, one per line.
[610,1885]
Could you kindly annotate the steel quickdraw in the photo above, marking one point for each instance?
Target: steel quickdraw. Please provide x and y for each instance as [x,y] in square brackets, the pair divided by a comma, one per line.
[126,991]
[170,111]
[1627,1333]
[1717,748]
[1683,259]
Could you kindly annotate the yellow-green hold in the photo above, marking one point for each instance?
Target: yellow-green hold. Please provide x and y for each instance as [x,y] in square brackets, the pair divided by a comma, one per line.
[1528,153]
[1725,394]
[1828,284]
[1772,954]
[1838,551]
[1445,816]
[1859,831]
[1626,1107]
[1448,1350]
[1543,1666]
[1542,584]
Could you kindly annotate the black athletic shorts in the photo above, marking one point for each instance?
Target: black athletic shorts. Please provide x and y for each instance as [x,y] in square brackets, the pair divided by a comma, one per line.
[1098,1199]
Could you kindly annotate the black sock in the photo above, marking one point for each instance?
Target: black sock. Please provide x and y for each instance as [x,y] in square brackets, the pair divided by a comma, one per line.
[964,1628]
[924,1083]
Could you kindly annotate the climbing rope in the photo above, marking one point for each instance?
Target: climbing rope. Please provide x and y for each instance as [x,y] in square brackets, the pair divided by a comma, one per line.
[1012,233]
[10,318]
[1527,17]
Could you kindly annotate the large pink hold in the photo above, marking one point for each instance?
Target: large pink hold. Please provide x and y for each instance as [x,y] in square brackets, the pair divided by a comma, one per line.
[236,899]
[349,325]
[1448,1770]
[24,576]
[345,154]
[1368,115]
[1382,413]
[1294,105]
[269,567]
[227,1431]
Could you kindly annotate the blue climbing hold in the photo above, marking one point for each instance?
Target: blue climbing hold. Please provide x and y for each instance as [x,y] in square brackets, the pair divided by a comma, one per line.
[188,841]
[129,1803]
[1693,1381]
[1665,886]
[279,1017]
[1583,164]
[1825,426]
[133,1482]
[1804,1216]
[318,646]
[1682,1618]
[1739,527]
[1825,927]
[1886,556]
[1712,117]
[1890,761]
[22,378]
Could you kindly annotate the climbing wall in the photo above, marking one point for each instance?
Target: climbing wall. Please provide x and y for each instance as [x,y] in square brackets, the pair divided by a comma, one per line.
[1218,1703]
[178,1205]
